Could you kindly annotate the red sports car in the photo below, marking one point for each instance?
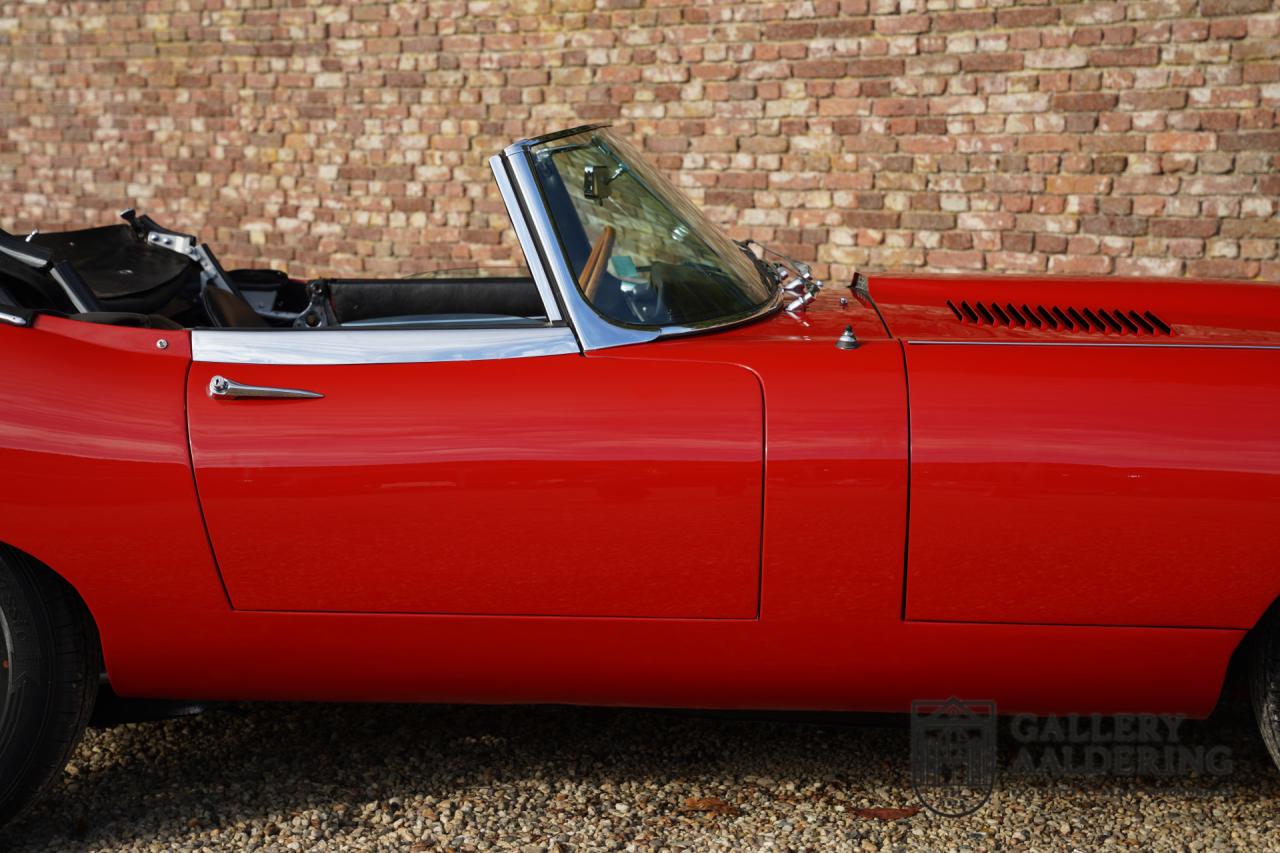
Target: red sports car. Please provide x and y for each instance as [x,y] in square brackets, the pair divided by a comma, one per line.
[663,468]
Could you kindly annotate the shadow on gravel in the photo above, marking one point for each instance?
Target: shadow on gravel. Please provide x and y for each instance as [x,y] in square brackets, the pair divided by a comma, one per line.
[248,764]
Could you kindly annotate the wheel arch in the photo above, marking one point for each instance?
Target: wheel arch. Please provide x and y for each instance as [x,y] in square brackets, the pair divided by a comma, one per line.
[10,551]
[1235,675]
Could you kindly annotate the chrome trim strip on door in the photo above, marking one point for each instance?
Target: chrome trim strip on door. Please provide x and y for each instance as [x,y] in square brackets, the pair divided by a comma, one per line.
[377,346]
[527,245]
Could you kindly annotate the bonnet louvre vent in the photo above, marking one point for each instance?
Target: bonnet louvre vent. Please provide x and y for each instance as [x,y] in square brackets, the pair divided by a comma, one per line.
[1052,318]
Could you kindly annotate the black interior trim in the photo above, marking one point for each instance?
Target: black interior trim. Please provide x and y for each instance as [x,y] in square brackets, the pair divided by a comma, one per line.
[367,299]
[125,318]
[228,310]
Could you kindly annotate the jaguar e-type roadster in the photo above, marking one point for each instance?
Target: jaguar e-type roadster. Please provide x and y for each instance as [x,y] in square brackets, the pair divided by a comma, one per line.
[662,468]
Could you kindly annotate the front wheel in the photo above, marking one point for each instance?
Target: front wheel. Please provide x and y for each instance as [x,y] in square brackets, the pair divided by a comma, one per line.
[1264,681]
[49,665]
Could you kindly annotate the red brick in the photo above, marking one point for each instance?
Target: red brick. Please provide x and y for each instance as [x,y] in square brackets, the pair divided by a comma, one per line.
[902,24]
[978,62]
[1181,141]
[870,219]
[1072,102]
[1257,141]
[943,259]
[1080,265]
[1222,268]
[876,67]
[1050,244]
[1121,56]
[1233,7]
[1078,184]
[1028,16]
[1122,226]
[845,132]
[819,68]
[955,21]
[1184,227]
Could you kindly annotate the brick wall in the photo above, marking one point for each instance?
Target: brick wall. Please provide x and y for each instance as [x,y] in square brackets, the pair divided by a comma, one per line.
[1108,137]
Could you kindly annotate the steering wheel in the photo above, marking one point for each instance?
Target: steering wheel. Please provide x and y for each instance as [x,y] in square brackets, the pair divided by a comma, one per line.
[644,298]
[648,301]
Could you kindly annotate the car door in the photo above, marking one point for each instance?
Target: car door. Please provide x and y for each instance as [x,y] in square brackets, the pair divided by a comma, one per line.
[432,475]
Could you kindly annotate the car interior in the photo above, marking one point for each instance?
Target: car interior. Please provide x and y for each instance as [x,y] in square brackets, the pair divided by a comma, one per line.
[140,274]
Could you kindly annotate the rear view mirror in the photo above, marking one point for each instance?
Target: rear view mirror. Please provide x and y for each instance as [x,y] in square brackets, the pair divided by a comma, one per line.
[595,182]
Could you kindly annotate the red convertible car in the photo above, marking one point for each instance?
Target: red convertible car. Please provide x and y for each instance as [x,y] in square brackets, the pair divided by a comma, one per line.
[661,469]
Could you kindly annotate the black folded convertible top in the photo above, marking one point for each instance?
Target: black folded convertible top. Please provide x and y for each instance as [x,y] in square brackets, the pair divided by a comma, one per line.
[121,271]
[114,262]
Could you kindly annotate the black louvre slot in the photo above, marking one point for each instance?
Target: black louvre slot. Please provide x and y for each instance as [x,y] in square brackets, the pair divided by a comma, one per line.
[1060,318]
[1158,323]
[1142,323]
[1102,317]
[1125,321]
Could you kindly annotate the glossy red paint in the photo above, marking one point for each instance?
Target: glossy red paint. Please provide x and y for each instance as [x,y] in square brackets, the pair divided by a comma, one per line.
[1051,463]
[1197,312]
[97,478]
[1041,494]
[529,486]
[93,439]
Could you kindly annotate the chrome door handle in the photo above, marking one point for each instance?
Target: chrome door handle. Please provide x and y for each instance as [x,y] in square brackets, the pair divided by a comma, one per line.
[220,387]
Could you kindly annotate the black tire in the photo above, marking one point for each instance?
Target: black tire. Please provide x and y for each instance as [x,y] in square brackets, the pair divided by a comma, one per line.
[1264,681]
[48,682]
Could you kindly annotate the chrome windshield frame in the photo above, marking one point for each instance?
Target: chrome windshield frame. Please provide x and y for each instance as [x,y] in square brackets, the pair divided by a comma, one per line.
[593,330]
[518,222]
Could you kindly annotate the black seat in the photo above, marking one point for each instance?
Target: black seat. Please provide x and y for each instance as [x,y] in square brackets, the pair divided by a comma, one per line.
[228,310]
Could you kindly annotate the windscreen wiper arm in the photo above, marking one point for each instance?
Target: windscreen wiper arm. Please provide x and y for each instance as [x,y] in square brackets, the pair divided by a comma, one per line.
[804,285]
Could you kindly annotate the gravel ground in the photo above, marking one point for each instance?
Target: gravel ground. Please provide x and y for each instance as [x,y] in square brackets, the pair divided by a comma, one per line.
[329,777]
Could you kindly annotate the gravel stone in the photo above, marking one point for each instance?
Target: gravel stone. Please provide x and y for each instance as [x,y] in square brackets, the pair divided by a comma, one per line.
[554,780]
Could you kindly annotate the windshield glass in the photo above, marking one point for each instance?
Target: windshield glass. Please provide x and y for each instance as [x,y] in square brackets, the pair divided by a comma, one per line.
[640,252]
